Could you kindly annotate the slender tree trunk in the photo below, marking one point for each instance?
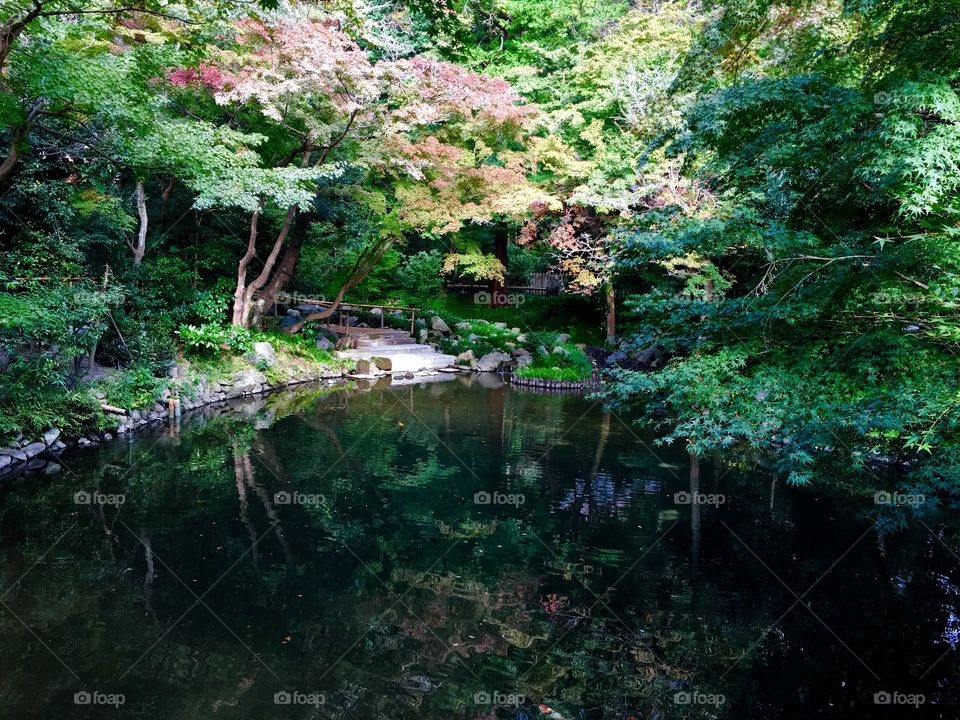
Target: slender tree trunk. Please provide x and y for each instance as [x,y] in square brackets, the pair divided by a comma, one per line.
[240,293]
[283,274]
[140,248]
[611,311]
[497,294]
[11,30]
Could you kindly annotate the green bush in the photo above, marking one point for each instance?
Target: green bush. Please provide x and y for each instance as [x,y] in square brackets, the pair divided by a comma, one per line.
[210,338]
[563,362]
[419,276]
[133,388]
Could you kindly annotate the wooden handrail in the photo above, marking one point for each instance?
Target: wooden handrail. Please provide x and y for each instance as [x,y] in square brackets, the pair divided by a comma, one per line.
[316,301]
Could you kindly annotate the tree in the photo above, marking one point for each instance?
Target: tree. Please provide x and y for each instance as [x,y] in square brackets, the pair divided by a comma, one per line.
[421,130]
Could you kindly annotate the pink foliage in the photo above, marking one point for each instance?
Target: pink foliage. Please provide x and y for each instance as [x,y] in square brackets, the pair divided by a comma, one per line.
[206,75]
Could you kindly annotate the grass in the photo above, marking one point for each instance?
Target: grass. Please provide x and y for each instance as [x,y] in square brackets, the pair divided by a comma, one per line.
[565,362]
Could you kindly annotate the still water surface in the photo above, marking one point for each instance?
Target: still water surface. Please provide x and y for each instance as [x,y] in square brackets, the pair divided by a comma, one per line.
[455,550]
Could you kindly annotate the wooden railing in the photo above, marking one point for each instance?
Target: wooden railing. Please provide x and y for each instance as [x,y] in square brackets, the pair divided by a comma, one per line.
[354,306]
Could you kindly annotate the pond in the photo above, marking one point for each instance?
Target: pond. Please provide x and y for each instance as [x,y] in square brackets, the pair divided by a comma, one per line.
[457,550]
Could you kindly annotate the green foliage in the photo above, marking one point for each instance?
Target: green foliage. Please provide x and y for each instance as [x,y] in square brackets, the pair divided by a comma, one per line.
[420,275]
[211,338]
[34,397]
[560,362]
[136,387]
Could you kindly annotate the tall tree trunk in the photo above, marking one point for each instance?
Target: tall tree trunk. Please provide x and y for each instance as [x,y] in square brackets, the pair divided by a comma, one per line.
[611,311]
[243,295]
[11,30]
[283,274]
[240,293]
[140,248]
[497,294]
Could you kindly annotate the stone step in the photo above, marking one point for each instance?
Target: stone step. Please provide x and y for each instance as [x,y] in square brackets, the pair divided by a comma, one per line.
[362,341]
[422,358]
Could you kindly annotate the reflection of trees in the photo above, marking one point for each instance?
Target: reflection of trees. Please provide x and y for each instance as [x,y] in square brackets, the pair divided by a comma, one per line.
[426,597]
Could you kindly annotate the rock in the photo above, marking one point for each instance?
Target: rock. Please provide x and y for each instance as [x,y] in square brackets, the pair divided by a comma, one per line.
[248,381]
[323,343]
[51,469]
[437,323]
[107,436]
[500,325]
[263,353]
[177,371]
[376,312]
[50,436]
[288,322]
[524,360]
[563,338]
[521,338]
[422,336]
[472,337]
[58,446]
[35,464]
[616,358]
[559,350]
[293,312]
[383,363]
[462,326]
[5,462]
[515,331]
[351,320]
[491,361]
[363,367]
[14,453]
[467,355]
[34,449]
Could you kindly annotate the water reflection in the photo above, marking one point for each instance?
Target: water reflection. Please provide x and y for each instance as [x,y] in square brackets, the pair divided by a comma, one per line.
[455,551]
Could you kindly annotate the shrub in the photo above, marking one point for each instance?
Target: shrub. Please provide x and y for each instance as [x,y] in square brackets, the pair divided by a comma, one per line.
[419,276]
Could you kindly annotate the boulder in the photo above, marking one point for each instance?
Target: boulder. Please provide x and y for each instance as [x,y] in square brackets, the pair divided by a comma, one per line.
[524,360]
[422,336]
[324,344]
[492,361]
[467,355]
[616,358]
[462,326]
[288,321]
[249,381]
[563,337]
[50,436]
[437,323]
[263,353]
[293,312]
[363,367]
[14,453]
[5,462]
[34,449]
[500,325]
[383,363]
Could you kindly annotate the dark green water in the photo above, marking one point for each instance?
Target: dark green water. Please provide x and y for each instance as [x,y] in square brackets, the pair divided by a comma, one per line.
[582,585]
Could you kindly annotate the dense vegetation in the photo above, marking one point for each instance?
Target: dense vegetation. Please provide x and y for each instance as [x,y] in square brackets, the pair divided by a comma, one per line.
[765,192]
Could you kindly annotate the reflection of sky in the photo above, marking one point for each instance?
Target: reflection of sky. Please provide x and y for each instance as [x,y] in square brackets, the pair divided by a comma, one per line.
[603,498]
[951,632]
